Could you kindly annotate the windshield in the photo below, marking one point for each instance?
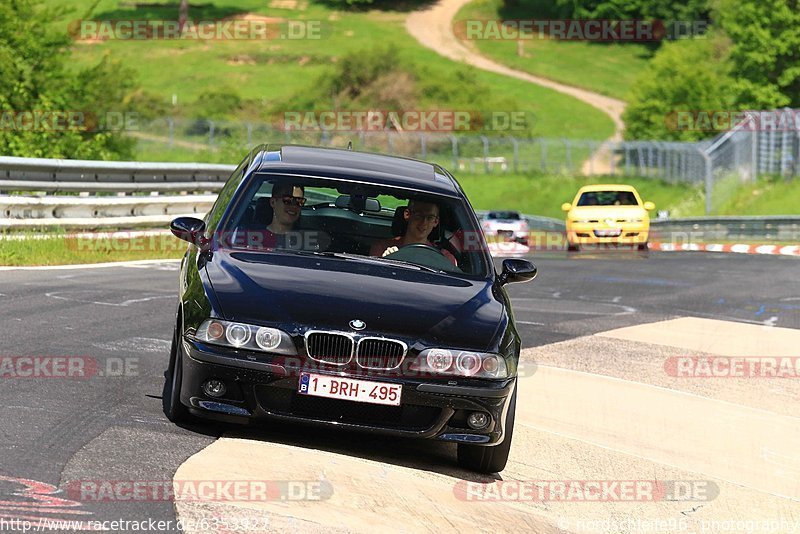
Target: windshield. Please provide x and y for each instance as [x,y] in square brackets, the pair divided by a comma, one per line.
[608,198]
[503,215]
[361,222]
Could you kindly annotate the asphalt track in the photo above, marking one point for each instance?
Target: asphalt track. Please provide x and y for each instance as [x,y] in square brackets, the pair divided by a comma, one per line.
[597,329]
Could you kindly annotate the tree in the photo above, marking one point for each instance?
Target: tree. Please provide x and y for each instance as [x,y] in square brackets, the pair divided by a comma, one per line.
[687,76]
[683,10]
[766,50]
[183,14]
[73,104]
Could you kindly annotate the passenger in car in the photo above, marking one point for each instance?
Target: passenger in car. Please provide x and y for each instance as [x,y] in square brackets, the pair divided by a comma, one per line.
[278,214]
[420,219]
[286,202]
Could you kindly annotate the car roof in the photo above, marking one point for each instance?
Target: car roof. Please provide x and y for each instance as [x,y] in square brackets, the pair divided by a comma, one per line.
[606,187]
[352,165]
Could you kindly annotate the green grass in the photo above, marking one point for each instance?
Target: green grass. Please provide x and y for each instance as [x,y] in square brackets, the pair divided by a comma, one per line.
[273,71]
[606,68]
[34,249]
[768,196]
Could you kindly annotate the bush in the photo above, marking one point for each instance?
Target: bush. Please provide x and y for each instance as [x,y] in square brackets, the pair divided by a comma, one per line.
[33,59]
[688,75]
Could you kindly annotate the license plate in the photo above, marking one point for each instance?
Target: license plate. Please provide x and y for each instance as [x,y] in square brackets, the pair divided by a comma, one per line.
[334,387]
[607,233]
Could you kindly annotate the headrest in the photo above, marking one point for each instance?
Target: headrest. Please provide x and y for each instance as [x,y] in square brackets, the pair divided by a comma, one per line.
[263,212]
[399,222]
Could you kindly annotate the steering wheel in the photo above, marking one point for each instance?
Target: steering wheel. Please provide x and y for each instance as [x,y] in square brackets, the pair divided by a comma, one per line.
[421,246]
[424,254]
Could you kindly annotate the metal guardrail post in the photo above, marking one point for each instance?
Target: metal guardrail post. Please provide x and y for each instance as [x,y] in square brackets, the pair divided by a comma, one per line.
[612,151]
[211,127]
[709,178]
[423,145]
[171,129]
[485,141]
[543,161]
[516,154]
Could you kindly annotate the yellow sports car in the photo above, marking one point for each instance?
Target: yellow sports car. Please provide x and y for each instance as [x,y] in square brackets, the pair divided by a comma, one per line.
[607,213]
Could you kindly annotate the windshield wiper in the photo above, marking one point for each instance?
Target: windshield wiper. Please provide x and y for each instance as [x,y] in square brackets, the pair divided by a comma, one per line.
[359,257]
[401,263]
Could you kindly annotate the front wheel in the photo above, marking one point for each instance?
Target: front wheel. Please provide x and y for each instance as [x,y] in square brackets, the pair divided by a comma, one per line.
[490,459]
[572,247]
[171,395]
[642,246]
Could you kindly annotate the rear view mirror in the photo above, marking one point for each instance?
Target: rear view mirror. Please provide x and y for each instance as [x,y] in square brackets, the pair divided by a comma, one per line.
[358,203]
[649,206]
[566,206]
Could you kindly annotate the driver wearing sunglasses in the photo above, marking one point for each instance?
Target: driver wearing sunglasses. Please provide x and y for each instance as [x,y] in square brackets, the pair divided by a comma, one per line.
[287,201]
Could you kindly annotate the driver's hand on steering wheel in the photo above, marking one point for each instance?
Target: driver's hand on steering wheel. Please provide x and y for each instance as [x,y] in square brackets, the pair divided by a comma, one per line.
[390,250]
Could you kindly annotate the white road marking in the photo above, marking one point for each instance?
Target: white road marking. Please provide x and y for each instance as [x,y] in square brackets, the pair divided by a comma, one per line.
[716,337]
[529,322]
[136,344]
[89,265]
[59,296]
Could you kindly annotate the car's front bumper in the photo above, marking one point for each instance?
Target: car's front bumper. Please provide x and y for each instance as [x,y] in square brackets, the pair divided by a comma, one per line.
[593,234]
[261,390]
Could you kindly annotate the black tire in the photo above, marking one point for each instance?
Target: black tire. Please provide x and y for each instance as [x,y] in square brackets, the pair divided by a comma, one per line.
[171,395]
[492,459]
[571,247]
[643,246]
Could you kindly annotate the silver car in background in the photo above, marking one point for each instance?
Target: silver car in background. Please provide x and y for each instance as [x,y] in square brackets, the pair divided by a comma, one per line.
[505,226]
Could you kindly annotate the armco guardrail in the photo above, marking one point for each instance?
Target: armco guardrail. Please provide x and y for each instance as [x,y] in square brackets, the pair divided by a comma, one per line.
[704,229]
[783,228]
[39,179]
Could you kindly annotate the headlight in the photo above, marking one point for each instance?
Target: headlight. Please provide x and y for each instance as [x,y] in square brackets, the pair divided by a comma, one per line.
[634,220]
[245,336]
[460,363]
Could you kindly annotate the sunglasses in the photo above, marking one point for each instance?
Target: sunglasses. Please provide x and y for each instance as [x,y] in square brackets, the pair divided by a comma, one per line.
[297,201]
[422,216]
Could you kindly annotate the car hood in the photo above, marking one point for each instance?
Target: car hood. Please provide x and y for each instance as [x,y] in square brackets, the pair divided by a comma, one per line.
[301,292]
[607,212]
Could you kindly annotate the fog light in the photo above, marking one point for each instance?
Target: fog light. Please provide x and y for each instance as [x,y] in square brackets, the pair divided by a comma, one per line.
[477,420]
[214,388]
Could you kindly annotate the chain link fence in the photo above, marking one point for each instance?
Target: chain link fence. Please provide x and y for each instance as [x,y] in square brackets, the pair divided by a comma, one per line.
[719,166]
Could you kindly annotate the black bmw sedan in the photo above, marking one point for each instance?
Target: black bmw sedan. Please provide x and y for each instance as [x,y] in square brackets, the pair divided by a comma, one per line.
[348,290]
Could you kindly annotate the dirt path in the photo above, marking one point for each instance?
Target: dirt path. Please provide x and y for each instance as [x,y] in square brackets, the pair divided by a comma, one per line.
[433,28]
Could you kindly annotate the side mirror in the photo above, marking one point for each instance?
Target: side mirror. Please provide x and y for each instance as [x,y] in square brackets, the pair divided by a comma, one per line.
[566,206]
[515,270]
[649,206]
[188,229]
